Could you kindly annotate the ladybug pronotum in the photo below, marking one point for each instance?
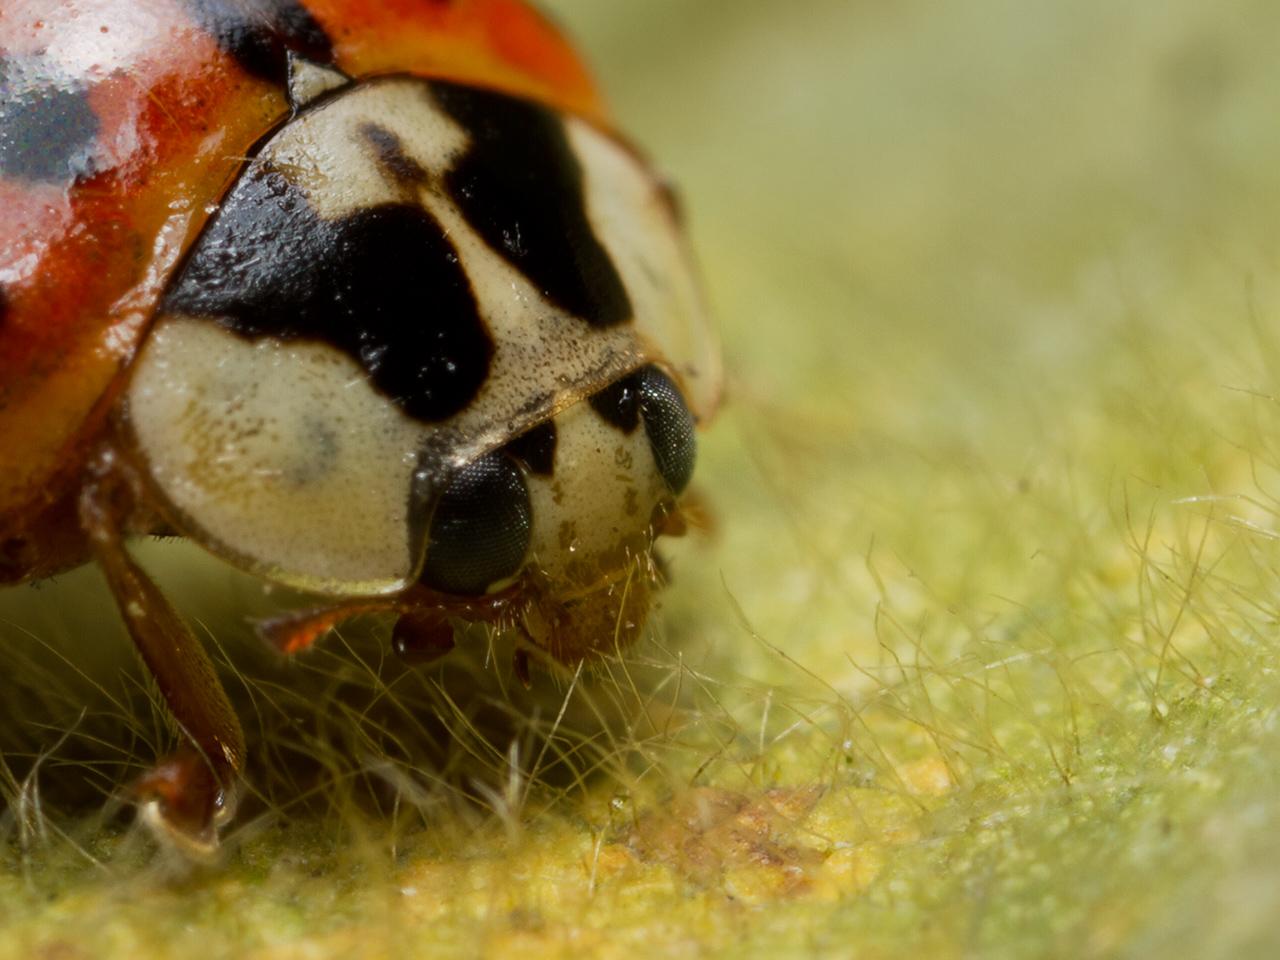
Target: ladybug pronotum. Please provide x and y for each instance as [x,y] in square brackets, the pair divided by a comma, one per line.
[367,299]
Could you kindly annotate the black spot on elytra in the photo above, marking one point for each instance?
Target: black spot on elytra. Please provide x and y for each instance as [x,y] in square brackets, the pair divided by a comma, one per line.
[480,529]
[4,308]
[259,34]
[536,449]
[521,187]
[48,129]
[390,155]
[383,285]
[619,404]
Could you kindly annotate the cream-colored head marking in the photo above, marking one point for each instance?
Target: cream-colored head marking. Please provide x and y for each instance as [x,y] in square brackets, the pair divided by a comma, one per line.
[592,513]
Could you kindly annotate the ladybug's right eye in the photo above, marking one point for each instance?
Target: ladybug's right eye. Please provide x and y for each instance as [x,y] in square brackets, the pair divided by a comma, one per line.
[670,427]
[480,528]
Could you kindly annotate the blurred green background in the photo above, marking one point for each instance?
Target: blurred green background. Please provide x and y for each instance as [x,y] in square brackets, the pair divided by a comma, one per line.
[979,657]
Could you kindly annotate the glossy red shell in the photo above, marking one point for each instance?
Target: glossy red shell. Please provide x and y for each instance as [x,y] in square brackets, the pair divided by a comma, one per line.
[84,262]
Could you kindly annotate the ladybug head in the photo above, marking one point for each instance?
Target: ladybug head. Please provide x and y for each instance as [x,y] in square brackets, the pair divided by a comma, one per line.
[571,510]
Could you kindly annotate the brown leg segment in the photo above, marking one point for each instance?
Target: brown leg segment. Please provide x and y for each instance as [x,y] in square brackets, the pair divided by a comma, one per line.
[187,796]
[297,632]
[422,632]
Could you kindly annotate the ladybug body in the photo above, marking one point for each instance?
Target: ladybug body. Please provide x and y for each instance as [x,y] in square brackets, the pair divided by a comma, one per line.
[366,299]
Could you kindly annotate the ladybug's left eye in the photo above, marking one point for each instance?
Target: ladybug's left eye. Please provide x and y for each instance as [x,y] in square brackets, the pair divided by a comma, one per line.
[480,527]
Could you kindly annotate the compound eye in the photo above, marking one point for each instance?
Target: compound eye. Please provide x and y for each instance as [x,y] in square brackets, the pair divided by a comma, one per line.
[670,427]
[480,528]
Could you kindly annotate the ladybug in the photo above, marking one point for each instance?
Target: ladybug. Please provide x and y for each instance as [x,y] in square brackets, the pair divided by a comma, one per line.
[367,299]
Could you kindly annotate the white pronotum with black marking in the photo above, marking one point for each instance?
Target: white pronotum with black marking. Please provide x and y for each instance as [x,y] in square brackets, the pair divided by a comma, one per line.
[434,335]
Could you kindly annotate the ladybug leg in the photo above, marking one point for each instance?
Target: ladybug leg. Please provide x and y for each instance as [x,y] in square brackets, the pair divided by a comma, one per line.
[423,631]
[520,667]
[693,513]
[422,636]
[297,632]
[187,796]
